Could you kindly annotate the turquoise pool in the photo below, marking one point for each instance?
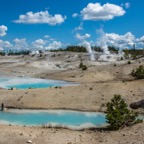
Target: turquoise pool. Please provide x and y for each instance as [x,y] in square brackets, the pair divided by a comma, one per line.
[25,83]
[56,117]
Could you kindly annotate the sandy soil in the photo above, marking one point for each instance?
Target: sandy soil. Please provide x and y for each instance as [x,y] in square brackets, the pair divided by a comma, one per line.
[97,86]
[21,135]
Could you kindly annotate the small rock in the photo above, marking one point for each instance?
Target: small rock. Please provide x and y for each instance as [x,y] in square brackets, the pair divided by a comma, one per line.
[21,134]
[29,141]
[90,88]
[135,105]
[124,134]
[100,140]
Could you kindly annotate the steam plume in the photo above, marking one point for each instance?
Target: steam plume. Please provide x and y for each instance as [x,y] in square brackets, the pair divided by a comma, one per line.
[88,47]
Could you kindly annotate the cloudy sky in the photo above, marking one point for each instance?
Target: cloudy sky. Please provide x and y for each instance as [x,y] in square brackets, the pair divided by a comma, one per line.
[51,24]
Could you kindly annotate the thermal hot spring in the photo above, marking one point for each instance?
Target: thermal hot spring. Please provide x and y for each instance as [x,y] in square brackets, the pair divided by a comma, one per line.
[62,118]
[25,83]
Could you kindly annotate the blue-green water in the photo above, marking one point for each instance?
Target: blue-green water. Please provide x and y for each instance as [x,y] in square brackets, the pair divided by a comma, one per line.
[33,85]
[65,118]
[71,119]
[25,83]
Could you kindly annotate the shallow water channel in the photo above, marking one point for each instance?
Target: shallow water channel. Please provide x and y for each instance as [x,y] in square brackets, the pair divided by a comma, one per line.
[25,83]
[64,118]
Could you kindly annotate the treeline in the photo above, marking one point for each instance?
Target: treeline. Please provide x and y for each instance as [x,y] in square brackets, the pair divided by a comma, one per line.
[133,53]
[71,49]
[78,49]
[23,52]
[83,49]
[113,49]
[19,52]
[2,53]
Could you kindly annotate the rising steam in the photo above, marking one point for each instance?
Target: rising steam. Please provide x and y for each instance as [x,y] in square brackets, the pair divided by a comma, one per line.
[88,47]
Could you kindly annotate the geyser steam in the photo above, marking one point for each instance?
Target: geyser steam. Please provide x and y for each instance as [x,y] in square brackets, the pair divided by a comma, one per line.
[88,47]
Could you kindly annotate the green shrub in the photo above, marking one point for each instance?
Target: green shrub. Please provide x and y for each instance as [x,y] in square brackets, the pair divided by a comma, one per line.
[118,115]
[82,66]
[129,62]
[138,73]
[122,58]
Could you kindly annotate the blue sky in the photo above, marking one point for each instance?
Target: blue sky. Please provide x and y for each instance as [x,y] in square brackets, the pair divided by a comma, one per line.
[50,24]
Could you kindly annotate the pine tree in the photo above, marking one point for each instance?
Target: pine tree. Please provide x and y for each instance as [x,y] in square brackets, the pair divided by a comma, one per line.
[118,115]
[138,73]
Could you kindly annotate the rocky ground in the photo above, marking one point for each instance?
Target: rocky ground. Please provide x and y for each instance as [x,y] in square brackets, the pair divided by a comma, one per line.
[97,86]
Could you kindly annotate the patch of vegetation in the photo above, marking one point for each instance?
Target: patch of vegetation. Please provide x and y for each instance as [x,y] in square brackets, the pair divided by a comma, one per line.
[135,53]
[82,66]
[115,64]
[122,58]
[97,49]
[2,53]
[22,52]
[138,73]
[118,115]
[76,49]
[72,49]
[129,62]
[113,49]
[13,52]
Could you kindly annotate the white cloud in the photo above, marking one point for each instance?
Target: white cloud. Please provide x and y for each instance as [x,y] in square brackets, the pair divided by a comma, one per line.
[101,12]
[46,36]
[54,45]
[122,41]
[39,44]
[82,37]
[20,44]
[80,27]
[5,44]
[140,40]
[126,5]
[3,30]
[40,18]
[49,38]
[75,15]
